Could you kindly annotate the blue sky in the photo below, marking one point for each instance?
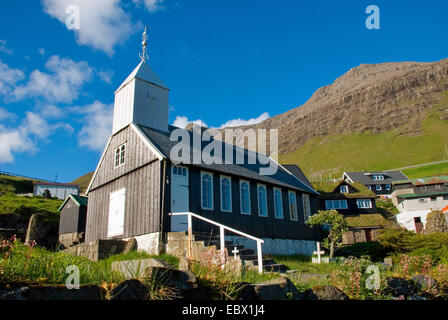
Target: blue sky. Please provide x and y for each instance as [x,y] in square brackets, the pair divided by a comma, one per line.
[223,60]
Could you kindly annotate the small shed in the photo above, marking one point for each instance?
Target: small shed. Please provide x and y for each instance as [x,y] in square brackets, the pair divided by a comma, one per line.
[72,221]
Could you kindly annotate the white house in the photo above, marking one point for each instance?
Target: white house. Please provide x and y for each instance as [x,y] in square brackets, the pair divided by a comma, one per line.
[57,190]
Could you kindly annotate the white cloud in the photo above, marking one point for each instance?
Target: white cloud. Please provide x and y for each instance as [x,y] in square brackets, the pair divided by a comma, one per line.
[240,122]
[151,5]
[3,47]
[97,125]
[63,84]
[13,141]
[103,23]
[26,137]
[181,122]
[106,76]
[6,115]
[9,78]
[51,111]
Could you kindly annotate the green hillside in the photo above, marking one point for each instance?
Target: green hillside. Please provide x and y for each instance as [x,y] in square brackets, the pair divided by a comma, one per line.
[83,181]
[332,155]
[15,209]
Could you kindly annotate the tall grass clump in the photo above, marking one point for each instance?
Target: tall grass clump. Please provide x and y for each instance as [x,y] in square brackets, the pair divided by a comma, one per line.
[27,263]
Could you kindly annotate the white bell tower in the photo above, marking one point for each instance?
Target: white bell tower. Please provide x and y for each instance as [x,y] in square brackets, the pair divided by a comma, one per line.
[142,98]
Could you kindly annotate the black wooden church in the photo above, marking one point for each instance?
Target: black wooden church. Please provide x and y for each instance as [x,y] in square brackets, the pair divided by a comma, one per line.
[137,184]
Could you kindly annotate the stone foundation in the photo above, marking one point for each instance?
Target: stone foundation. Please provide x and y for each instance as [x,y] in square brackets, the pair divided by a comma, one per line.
[70,239]
[97,250]
[359,235]
[277,246]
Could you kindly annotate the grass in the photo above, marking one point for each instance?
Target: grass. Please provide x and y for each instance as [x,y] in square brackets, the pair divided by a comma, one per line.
[427,171]
[386,208]
[83,181]
[12,204]
[137,255]
[303,264]
[332,155]
[19,263]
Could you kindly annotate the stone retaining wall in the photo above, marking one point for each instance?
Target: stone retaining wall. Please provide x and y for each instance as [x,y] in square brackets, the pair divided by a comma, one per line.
[97,250]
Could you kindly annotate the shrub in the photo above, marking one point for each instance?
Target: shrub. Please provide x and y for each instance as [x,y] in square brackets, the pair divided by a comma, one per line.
[402,241]
[375,250]
[352,279]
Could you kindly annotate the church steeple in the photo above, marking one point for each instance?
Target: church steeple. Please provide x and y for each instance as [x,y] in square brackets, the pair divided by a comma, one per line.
[142,98]
[144,55]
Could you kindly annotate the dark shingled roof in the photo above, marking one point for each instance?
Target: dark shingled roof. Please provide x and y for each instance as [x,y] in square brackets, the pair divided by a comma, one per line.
[161,140]
[295,170]
[366,177]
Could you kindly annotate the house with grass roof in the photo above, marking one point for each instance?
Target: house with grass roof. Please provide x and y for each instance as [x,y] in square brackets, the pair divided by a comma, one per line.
[357,203]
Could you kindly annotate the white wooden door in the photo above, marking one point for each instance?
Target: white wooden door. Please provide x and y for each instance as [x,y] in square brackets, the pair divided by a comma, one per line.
[117,204]
[179,197]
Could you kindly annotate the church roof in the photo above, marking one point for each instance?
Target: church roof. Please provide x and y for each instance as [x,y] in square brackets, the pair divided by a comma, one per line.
[161,141]
[144,72]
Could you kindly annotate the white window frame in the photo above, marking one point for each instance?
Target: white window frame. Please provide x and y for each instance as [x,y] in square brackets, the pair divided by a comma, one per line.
[378,187]
[378,177]
[275,204]
[361,203]
[241,197]
[121,158]
[306,206]
[388,186]
[230,192]
[265,200]
[339,207]
[342,188]
[294,206]
[203,173]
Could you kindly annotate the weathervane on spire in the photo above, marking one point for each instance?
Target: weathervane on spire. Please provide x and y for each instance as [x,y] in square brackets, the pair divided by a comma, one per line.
[144,55]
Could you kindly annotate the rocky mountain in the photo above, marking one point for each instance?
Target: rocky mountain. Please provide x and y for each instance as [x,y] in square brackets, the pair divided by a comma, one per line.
[371,98]
[375,98]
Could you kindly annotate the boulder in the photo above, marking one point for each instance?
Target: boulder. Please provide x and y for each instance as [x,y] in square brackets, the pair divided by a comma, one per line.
[132,289]
[184,265]
[324,293]
[423,283]
[399,286]
[178,279]
[136,268]
[32,233]
[436,222]
[276,289]
[245,291]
